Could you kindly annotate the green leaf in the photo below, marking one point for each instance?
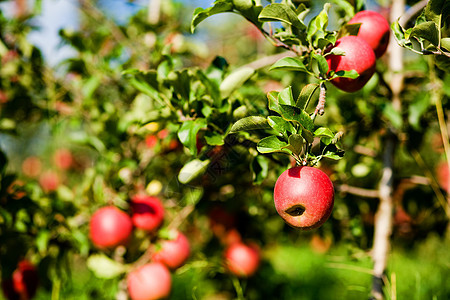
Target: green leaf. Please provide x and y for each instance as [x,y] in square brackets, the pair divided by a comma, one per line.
[393,116]
[399,34]
[296,143]
[295,114]
[322,63]
[187,133]
[273,101]
[433,11]
[289,64]
[427,31]
[306,95]
[319,22]
[243,4]
[42,240]
[347,74]
[323,131]
[417,109]
[200,14]
[285,97]
[349,29]
[214,138]
[192,170]
[346,6]
[235,80]
[445,43]
[337,51]
[104,267]
[250,123]
[281,125]
[260,168]
[325,134]
[271,144]
[282,13]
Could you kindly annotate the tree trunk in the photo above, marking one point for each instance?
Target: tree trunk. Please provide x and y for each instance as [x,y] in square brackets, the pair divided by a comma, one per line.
[383,216]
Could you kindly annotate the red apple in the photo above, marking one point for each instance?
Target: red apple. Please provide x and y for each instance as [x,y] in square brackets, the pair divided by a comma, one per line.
[110,227]
[63,158]
[49,181]
[443,176]
[374,30]
[241,259]
[173,253]
[23,284]
[151,140]
[304,197]
[151,281]
[32,166]
[359,56]
[147,212]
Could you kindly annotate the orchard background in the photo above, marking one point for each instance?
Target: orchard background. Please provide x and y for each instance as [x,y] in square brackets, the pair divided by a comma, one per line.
[154,104]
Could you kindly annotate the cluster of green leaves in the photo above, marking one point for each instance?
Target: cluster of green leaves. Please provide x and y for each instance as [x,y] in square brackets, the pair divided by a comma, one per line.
[310,42]
[292,128]
[199,102]
[430,33]
[293,125]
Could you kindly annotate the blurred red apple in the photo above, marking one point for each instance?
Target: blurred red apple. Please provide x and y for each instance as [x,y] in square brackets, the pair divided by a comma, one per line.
[49,181]
[442,173]
[221,221]
[151,281]
[151,140]
[32,166]
[147,212]
[241,259]
[23,284]
[63,158]
[110,227]
[173,253]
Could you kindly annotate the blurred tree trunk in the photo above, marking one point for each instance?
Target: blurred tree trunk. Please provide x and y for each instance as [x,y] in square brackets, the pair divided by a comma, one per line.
[384,214]
[21,8]
[154,10]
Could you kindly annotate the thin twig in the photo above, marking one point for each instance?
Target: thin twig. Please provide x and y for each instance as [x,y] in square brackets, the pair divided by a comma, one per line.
[366,193]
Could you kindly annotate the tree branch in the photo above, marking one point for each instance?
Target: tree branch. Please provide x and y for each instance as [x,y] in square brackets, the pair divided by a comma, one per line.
[353,190]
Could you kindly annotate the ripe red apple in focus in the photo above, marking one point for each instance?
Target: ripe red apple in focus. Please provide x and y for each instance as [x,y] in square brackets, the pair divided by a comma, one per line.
[374,30]
[241,259]
[147,212]
[63,158]
[173,253]
[359,56]
[110,227]
[49,181]
[151,281]
[23,284]
[304,197]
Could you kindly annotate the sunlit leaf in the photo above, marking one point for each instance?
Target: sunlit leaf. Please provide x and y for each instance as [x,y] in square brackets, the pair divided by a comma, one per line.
[250,123]
[104,267]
